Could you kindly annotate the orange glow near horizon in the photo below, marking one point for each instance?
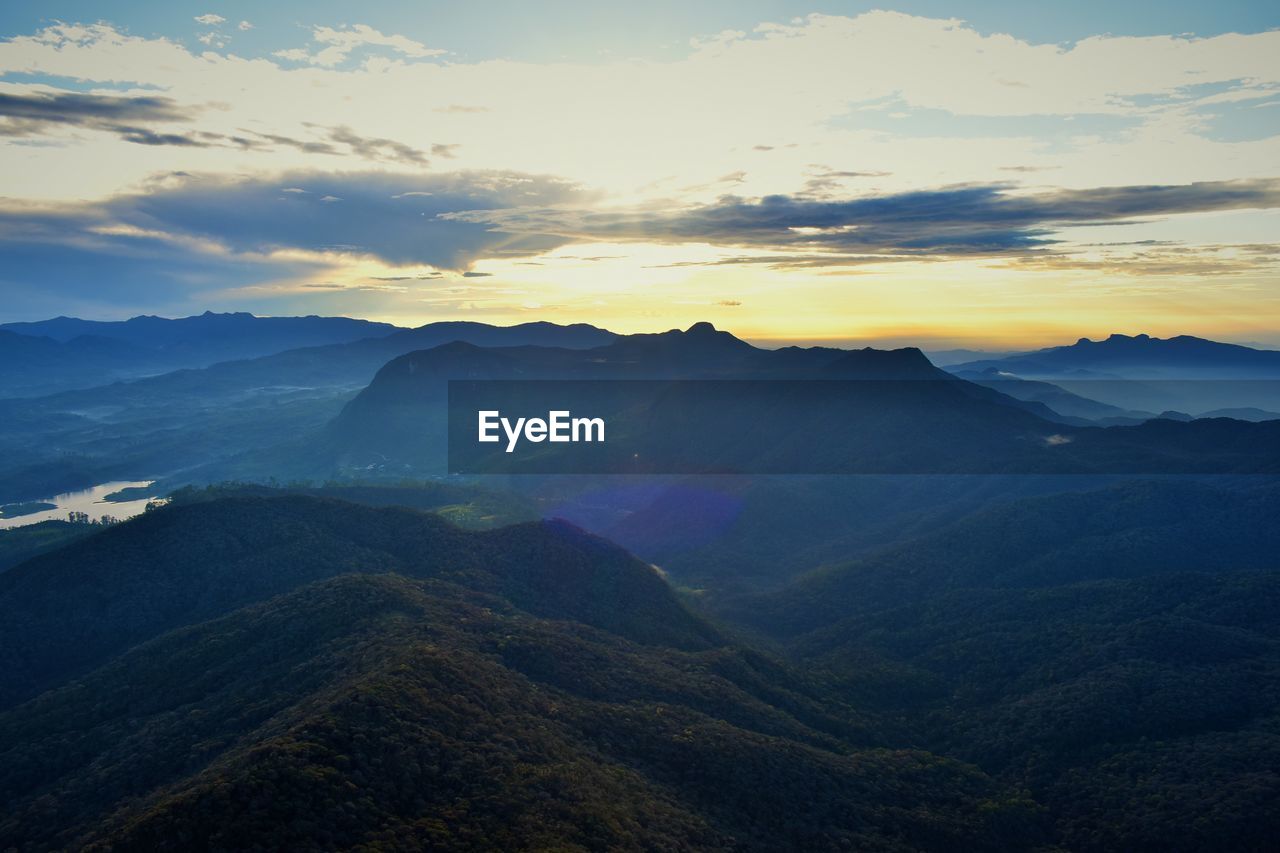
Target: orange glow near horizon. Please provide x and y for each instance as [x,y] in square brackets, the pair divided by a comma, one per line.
[977,304]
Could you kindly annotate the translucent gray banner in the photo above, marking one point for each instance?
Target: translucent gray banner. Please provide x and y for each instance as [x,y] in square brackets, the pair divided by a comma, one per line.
[822,427]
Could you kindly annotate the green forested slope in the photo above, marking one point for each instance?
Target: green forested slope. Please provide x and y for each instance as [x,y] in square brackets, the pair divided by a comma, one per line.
[422,686]
[1116,653]
[67,611]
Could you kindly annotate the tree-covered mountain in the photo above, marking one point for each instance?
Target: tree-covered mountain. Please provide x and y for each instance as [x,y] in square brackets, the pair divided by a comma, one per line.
[1132,529]
[739,533]
[18,544]
[466,505]
[308,674]
[248,667]
[74,608]
[1117,652]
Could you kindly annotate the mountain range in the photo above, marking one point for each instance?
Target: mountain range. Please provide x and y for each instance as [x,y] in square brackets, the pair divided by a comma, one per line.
[860,411]
[337,675]
[283,415]
[1041,640]
[1137,357]
[1088,670]
[1116,651]
[38,358]
[1139,377]
[187,418]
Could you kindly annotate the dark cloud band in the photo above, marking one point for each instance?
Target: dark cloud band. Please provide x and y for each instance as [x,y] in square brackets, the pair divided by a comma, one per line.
[133,119]
[984,220]
[213,233]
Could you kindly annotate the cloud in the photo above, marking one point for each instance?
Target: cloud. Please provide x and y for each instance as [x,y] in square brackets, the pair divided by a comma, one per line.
[338,141]
[195,239]
[210,19]
[341,42]
[954,222]
[213,39]
[307,146]
[144,136]
[244,25]
[1027,169]
[826,182]
[353,213]
[936,196]
[374,148]
[802,76]
[39,113]
[1151,258]
[69,259]
[730,178]
[43,113]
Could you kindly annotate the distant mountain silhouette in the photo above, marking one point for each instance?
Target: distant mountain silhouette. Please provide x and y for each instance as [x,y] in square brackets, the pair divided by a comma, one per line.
[948,357]
[91,352]
[209,335]
[894,413]
[256,418]
[187,418]
[700,352]
[1136,357]
[1246,413]
[1146,374]
[398,419]
[1073,408]
[332,365]
[33,365]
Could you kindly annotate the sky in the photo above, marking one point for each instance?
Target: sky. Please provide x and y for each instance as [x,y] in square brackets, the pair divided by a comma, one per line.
[984,175]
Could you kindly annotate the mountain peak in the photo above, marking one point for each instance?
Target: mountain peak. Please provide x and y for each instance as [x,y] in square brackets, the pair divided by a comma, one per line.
[870,363]
[701,328]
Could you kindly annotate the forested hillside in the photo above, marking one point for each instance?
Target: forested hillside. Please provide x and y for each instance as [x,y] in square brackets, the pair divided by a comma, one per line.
[1117,652]
[413,684]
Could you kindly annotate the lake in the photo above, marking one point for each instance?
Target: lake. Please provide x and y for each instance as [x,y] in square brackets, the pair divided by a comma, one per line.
[90,501]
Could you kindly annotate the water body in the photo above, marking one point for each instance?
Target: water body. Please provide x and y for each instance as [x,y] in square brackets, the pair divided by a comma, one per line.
[90,501]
